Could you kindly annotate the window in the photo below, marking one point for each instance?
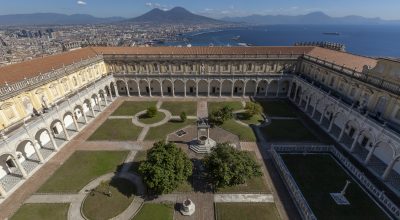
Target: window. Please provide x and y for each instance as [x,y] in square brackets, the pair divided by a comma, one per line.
[8,111]
[54,90]
[75,81]
[65,85]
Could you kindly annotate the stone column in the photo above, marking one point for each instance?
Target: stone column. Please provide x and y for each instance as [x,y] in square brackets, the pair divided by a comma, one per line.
[92,109]
[105,98]
[290,90]
[244,89]
[266,90]
[307,103]
[208,89]
[184,89]
[233,89]
[65,131]
[389,169]
[84,116]
[220,89]
[331,124]
[53,141]
[173,89]
[20,168]
[369,156]
[353,145]
[116,90]
[75,122]
[99,103]
[315,109]
[2,191]
[127,89]
[197,89]
[295,93]
[277,91]
[149,84]
[162,91]
[341,133]
[322,118]
[36,147]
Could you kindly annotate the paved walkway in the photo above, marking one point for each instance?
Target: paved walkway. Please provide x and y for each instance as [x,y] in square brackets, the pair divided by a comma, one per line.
[243,198]
[202,109]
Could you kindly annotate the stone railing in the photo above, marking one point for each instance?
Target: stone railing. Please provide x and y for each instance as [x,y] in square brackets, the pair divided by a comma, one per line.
[390,86]
[301,203]
[200,56]
[9,90]
[366,120]
[354,171]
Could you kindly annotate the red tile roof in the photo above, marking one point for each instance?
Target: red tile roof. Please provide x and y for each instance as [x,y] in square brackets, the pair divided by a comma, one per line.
[16,72]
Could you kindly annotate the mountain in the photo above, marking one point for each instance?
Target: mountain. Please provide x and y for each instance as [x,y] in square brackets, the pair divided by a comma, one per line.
[53,19]
[176,15]
[311,18]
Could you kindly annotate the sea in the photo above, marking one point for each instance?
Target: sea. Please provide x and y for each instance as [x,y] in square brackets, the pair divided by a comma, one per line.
[366,40]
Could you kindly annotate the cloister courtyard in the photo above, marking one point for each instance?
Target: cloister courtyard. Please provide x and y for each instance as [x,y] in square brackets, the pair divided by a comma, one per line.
[95,176]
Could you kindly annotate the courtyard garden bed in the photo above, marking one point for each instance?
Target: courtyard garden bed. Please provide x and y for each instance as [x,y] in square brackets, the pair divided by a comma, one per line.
[245,133]
[278,108]
[116,129]
[151,120]
[253,120]
[161,132]
[176,108]
[39,211]
[287,130]
[81,168]
[155,211]
[318,175]
[98,205]
[131,108]
[235,105]
[248,211]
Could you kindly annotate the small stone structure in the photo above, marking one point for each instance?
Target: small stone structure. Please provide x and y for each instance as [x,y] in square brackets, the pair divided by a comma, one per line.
[202,143]
[340,198]
[188,207]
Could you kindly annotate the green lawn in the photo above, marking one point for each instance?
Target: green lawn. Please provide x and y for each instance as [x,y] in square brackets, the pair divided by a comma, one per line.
[116,129]
[246,211]
[236,105]
[177,107]
[38,211]
[81,168]
[317,175]
[287,130]
[244,133]
[278,108]
[154,211]
[161,132]
[99,206]
[253,120]
[130,108]
[146,120]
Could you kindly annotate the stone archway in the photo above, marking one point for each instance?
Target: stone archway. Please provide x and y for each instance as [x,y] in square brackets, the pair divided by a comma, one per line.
[272,88]
[283,88]
[121,86]
[251,87]
[179,87]
[46,141]
[214,88]
[238,88]
[155,87]
[144,87]
[191,88]
[167,87]
[203,88]
[226,88]
[261,88]
[133,88]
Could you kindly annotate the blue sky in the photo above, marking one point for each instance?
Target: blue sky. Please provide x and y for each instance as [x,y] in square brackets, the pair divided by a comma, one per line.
[387,9]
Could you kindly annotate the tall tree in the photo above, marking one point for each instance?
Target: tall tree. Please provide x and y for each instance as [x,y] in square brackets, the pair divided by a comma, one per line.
[166,167]
[228,166]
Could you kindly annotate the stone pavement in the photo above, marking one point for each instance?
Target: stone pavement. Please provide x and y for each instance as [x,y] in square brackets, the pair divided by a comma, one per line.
[202,109]
[243,198]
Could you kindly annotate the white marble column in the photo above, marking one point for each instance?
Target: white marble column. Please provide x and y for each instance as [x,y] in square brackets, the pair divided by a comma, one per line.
[36,147]
[65,131]
[75,121]
[20,168]
[388,169]
[354,144]
[369,156]
[127,89]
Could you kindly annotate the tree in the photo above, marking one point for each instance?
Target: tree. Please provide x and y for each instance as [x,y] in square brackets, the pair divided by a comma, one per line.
[166,167]
[227,166]
[218,117]
[253,108]
[151,111]
[183,116]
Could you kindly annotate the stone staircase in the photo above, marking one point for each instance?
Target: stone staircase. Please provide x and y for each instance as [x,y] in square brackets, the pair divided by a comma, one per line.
[200,149]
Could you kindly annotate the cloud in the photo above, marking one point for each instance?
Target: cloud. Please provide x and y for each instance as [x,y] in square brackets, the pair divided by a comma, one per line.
[80,2]
[157,5]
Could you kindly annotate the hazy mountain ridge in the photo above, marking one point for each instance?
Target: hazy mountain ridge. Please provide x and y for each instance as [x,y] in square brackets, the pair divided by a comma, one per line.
[311,18]
[53,19]
[177,15]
